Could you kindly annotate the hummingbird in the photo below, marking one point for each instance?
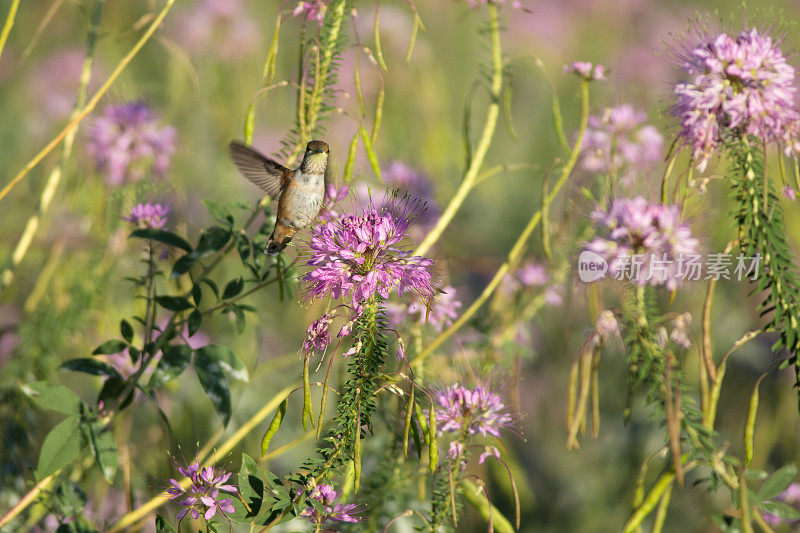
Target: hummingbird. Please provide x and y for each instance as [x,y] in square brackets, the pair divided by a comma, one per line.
[299,191]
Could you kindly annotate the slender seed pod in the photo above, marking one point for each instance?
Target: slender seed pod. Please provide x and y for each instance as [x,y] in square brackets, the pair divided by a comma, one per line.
[308,409]
[274,425]
[433,441]
[407,423]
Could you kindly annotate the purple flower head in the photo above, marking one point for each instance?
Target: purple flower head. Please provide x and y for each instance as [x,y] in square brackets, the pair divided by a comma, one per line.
[357,256]
[789,193]
[620,141]
[128,143]
[738,85]
[403,178]
[477,410]
[311,10]
[202,496]
[586,71]
[149,215]
[318,336]
[643,241]
[443,310]
[326,495]
[488,451]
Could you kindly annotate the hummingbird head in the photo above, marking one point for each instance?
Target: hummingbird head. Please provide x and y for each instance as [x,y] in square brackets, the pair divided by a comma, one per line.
[316,157]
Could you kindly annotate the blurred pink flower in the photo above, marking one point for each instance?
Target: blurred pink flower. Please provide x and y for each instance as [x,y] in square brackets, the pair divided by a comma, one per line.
[224,28]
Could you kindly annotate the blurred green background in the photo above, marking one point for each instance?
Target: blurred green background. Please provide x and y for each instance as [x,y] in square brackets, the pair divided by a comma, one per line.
[68,294]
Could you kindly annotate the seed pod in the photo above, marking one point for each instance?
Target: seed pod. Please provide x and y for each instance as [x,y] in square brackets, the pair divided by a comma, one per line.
[407,424]
[308,409]
[750,427]
[433,441]
[274,425]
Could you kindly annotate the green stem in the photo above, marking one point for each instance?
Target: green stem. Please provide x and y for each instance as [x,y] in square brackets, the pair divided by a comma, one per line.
[12,13]
[54,178]
[489,127]
[519,246]
[90,106]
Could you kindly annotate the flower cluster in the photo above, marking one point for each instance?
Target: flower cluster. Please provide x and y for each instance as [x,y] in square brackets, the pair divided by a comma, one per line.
[586,71]
[620,141]
[149,215]
[356,256]
[127,142]
[475,411]
[440,314]
[737,84]
[654,231]
[326,495]
[203,495]
[311,10]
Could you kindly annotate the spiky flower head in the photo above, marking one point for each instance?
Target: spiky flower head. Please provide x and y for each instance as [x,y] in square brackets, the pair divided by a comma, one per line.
[152,216]
[736,85]
[620,141]
[653,236]
[326,495]
[479,410]
[202,497]
[128,143]
[358,256]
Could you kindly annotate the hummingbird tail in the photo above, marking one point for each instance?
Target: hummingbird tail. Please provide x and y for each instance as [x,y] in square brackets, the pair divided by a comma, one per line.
[280,238]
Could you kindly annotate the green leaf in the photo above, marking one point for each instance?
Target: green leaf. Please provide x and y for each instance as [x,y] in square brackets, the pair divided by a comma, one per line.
[233,288]
[183,265]
[70,498]
[780,509]
[126,330]
[174,361]
[162,526]
[104,447]
[251,488]
[194,322]
[112,346]
[174,303]
[226,359]
[778,482]
[212,379]
[112,388]
[90,366]
[219,212]
[53,396]
[60,447]
[213,239]
[163,236]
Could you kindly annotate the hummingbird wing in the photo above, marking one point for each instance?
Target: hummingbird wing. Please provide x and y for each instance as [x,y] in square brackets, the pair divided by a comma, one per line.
[259,169]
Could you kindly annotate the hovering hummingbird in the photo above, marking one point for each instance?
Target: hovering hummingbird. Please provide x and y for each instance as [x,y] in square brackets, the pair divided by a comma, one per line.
[299,192]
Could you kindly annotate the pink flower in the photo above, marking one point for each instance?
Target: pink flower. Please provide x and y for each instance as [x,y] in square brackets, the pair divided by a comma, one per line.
[736,85]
